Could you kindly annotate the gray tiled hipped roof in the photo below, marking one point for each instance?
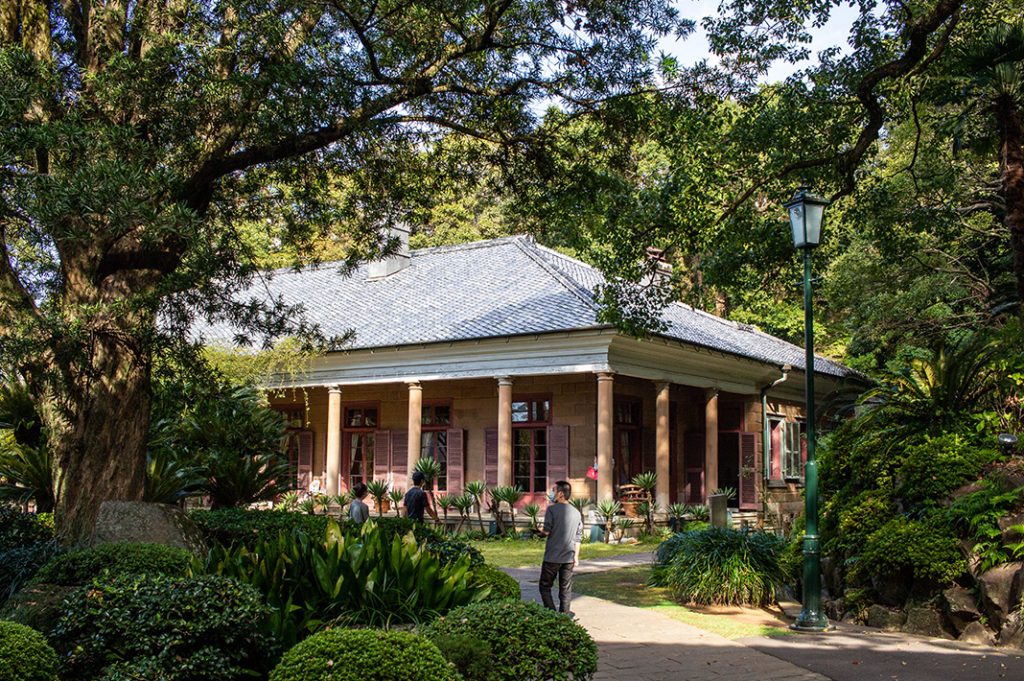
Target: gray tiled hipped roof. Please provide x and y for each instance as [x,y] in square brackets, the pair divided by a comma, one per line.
[487,289]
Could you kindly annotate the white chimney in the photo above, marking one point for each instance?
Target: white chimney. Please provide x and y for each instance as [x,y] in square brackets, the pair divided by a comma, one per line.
[399,261]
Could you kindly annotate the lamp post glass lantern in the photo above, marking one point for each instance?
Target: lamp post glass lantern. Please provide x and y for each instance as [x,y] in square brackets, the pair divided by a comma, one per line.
[806,211]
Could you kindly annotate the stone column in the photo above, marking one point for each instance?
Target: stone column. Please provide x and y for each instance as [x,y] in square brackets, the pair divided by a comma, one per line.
[662,439]
[605,430]
[504,430]
[415,429]
[333,439]
[710,440]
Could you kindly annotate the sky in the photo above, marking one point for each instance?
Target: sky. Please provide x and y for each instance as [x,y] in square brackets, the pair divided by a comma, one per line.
[690,50]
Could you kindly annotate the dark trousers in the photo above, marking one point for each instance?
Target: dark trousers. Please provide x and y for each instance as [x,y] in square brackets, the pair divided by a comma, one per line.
[547,579]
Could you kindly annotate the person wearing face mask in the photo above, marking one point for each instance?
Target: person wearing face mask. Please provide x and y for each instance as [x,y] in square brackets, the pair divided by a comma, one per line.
[563,527]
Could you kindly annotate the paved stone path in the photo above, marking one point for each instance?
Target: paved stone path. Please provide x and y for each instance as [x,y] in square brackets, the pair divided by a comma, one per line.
[635,644]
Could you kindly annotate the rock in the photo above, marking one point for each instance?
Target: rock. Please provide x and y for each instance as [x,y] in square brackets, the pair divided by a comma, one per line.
[1012,633]
[1000,590]
[834,609]
[961,607]
[977,634]
[885,618]
[925,622]
[969,488]
[139,521]
[1011,536]
[37,605]
[892,590]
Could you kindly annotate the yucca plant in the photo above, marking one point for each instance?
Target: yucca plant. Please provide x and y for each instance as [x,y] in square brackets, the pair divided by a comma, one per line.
[677,511]
[509,494]
[647,509]
[647,482]
[608,509]
[729,492]
[580,503]
[445,502]
[431,472]
[532,512]
[307,506]
[288,502]
[700,512]
[463,502]
[341,500]
[378,489]
[396,496]
[623,525]
[477,490]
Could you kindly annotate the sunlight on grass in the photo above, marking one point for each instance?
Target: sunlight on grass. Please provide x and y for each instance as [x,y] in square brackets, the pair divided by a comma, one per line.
[628,587]
[529,552]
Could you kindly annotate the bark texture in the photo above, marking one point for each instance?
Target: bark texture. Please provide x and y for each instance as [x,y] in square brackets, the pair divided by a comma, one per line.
[1011,166]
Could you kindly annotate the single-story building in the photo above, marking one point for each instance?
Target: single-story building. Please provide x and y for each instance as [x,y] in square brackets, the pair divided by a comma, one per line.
[489,358]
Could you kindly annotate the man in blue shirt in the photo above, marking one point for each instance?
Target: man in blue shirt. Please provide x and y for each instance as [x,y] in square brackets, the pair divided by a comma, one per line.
[416,500]
[563,526]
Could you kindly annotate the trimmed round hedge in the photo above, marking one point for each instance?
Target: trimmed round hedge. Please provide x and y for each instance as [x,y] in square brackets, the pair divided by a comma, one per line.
[25,655]
[123,558]
[524,641]
[208,628]
[502,586]
[357,654]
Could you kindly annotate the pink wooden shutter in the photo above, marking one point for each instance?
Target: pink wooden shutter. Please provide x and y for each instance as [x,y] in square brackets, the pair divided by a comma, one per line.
[748,472]
[803,448]
[400,458]
[776,450]
[304,460]
[456,456]
[558,454]
[381,454]
[693,473]
[491,456]
[650,444]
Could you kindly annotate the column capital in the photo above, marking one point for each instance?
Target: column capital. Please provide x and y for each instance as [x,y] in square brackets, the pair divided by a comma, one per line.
[711,393]
[414,385]
[504,380]
[605,375]
[662,385]
[334,389]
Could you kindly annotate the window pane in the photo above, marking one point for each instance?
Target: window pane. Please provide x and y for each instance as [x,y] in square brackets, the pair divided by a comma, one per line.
[427,445]
[442,415]
[520,412]
[427,416]
[541,408]
[369,417]
[355,418]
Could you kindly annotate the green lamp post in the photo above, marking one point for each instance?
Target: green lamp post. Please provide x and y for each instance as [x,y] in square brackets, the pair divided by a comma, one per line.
[806,211]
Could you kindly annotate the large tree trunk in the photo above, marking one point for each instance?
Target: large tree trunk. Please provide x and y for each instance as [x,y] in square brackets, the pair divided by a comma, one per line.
[99,438]
[1011,167]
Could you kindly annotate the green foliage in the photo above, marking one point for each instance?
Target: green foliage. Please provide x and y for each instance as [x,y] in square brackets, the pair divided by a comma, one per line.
[931,470]
[207,628]
[721,566]
[378,489]
[26,473]
[646,481]
[246,527]
[354,655]
[25,655]
[608,508]
[450,549]
[978,514]
[472,657]
[430,468]
[79,568]
[532,511]
[527,641]
[859,518]
[501,585]
[169,478]
[580,504]
[235,443]
[364,576]
[19,564]
[18,528]
[925,550]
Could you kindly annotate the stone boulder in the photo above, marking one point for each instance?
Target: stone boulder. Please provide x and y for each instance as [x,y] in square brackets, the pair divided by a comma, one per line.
[36,605]
[925,622]
[1012,633]
[885,618]
[961,607]
[1006,525]
[139,521]
[1001,591]
[977,634]
[891,590]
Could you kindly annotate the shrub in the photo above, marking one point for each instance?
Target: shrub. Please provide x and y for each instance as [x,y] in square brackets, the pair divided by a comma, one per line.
[25,654]
[79,568]
[938,466]
[921,550]
[449,550]
[399,527]
[37,605]
[354,655]
[978,515]
[473,658]
[208,628]
[721,566]
[18,528]
[20,563]
[247,527]
[528,642]
[363,577]
[502,586]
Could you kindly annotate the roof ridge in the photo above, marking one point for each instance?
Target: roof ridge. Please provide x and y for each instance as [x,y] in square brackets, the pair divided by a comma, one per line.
[528,247]
[467,245]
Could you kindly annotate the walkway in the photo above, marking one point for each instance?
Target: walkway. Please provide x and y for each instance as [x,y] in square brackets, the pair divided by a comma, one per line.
[635,644]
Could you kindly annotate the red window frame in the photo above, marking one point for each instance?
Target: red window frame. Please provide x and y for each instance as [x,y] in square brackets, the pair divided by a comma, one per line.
[431,440]
[363,435]
[530,437]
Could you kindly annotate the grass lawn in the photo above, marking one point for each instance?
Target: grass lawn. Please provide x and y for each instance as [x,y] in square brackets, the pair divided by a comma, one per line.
[627,586]
[526,552]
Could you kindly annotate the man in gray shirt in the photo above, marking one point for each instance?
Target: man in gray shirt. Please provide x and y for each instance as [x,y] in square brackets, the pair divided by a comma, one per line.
[563,526]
